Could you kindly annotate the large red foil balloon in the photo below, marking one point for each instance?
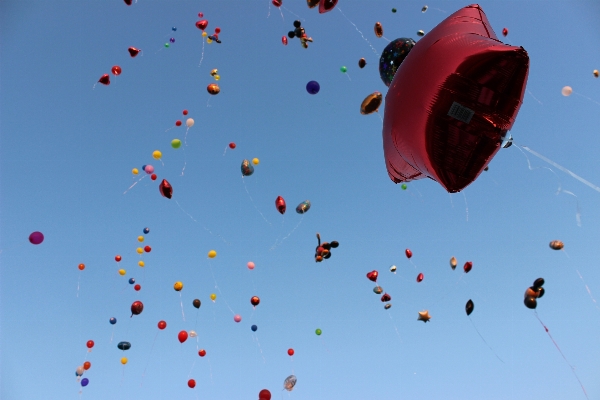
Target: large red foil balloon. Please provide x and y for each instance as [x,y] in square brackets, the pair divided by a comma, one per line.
[166,189]
[326,5]
[452,101]
[280,204]
[202,24]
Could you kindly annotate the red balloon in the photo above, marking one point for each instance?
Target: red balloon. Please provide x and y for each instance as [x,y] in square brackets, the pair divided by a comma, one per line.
[280,204]
[202,353]
[327,5]
[284,40]
[504,32]
[153,177]
[264,395]
[290,352]
[232,145]
[386,297]
[200,15]
[117,258]
[408,253]
[147,249]
[116,70]
[137,287]
[136,308]
[217,30]
[90,344]
[104,79]
[166,189]
[446,122]
[277,3]
[185,112]
[128,2]
[420,277]
[468,266]
[178,123]
[162,325]
[192,383]
[183,335]
[254,301]
[87,365]
[202,24]
[133,51]
[373,275]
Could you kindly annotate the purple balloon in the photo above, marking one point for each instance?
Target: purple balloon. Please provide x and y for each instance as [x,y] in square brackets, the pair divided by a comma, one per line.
[85,381]
[313,87]
[149,169]
[36,238]
[172,40]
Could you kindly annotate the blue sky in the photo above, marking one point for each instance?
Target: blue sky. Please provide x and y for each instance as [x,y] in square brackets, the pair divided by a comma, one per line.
[66,155]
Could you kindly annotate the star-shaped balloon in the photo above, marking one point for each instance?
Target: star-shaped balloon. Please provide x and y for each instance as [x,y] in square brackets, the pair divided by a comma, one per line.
[424,316]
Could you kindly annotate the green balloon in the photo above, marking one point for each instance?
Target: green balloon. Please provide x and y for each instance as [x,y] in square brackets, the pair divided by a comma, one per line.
[318,332]
[176,143]
[166,44]
[404,186]
[393,10]
[343,69]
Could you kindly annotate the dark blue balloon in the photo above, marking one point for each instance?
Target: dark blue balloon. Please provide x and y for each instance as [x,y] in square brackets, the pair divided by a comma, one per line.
[146,230]
[313,87]
[144,167]
[254,328]
[124,346]
[173,29]
[113,321]
[85,381]
[131,281]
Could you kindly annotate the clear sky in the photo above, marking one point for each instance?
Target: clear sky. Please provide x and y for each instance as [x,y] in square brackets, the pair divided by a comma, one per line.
[67,151]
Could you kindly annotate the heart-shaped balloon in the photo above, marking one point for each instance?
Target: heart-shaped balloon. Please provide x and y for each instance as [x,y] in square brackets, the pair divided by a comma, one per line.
[104,79]
[373,275]
[202,24]
[133,51]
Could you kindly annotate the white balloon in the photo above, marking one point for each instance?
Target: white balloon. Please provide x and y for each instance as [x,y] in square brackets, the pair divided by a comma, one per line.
[566,91]
[189,123]
[193,334]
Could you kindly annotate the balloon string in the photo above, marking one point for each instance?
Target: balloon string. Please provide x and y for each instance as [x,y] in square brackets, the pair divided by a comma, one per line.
[135,183]
[466,206]
[561,353]
[251,200]
[299,17]
[255,337]
[534,97]
[112,334]
[78,280]
[361,34]
[191,369]
[559,190]
[283,19]
[184,162]
[205,228]
[149,359]
[584,282]
[484,341]
[269,14]
[394,324]
[202,58]
[210,368]
[585,97]
[181,302]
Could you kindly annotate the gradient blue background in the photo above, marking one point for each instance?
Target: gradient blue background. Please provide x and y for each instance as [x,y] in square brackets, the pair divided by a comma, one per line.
[66,157]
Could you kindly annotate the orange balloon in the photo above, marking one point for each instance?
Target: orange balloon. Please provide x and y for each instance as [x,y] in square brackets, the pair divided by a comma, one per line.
[81,267]
[87,365]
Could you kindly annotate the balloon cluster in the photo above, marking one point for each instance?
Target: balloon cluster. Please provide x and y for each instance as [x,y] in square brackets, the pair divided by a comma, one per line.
[385,298]
[534,292]
[323,251]
[202,24]
[300,33]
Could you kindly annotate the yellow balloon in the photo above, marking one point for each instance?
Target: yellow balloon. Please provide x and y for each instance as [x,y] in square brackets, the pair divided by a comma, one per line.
[139,250]
[208,40]
[178,286]
[140,238]
[135,171]
[141,263]
[124,360]
[212,254]
[204,34]
[255,161]
[157,155]
[121,272]
[213,297]
[217,77]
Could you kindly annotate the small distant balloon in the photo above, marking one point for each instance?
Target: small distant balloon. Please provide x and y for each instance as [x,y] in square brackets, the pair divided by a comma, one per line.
[131,281]
[318,332]
[453,263]
[289,383]
[202,353]
[147,249]
[162,325]
[149,169]
[264,395]
[90,344]
[174,29]
[343,69]
[362,62]
[567,91]
[596,73]
[196,303]
[85,382]
[137,307]
[172,40]
[124,346]
[178,123]
[117,258]
[290,352]
[386,297]
[277,3]
[556,245]
[469,307]
[420,33]
[408,253]
[420,277]
[79,371]
[377,290]
[193,334]
[116,70]
[175,143]
[254,328]
[378,28]
[504,32]
[284,40]
[122,272]
[313,87]
[137,287]
[81,267]
[124,360]
[237,318]
[232,145]
[394,10]
[156,154]
[178,286]
[192,383]
[250,265]
[280,205]
[387,306]
[182,336]
[36,238]
[213,297]
[189,122]
[403,186]
[371,103]
[303,207]
[255,161]
[424,9]
[112,321]
[165,188]
[212,254]
[372,276]
[213,89]
[255,300]
[104,79]
[393,268]
[468,266]
[133,51]
[87,365]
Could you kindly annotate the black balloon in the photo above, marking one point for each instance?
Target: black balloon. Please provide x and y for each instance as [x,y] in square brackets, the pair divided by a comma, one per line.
[538,283]
[334,244]
[469,307]
[124,346]
[391,58]
[196,303]
[362,62]
[541,292]
[297,24]
[530,302]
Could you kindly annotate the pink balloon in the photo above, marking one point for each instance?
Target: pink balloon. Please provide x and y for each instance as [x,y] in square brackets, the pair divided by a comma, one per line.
[250,265]
[149,169]
[237,318]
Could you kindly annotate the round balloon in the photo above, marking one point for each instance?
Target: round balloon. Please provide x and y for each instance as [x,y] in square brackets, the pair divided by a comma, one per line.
[36,237]
[84,382]
[212,254]
[196,303]
[237,318]
[313,87]
[112,321]
[264,395]
[254,328]
[162,325]
[182,336]
[175,143]
[391,58]
[250,265]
